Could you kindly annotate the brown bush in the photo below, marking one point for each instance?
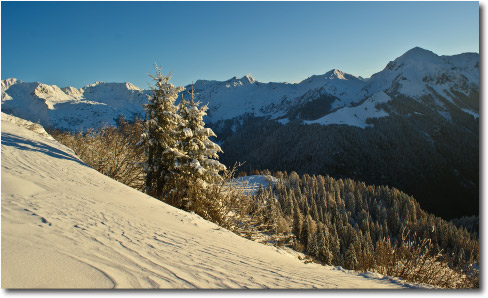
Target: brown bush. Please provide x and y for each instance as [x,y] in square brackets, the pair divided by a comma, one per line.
[112,151]
[415,260]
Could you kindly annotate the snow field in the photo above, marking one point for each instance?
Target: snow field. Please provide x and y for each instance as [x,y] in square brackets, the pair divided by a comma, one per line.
[250,184]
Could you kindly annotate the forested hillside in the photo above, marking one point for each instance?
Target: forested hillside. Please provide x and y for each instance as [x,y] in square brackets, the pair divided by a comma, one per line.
[364,227]
[415,150]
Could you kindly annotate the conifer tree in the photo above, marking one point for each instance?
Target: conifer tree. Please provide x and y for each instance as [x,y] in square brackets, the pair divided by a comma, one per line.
[200,165]
[313,245]
[297,220]
[335,245]
[161,137]
[308,230]
[325,255]
[350,257]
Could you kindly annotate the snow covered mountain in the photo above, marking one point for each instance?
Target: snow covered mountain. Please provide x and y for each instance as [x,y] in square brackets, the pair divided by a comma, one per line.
[236,97]
[414,126]
[64,225]
[332,98]
[69,108]
[419,74]
[339,98]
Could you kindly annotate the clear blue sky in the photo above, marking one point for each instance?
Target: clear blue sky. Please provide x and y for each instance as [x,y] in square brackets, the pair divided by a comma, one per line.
[78,43]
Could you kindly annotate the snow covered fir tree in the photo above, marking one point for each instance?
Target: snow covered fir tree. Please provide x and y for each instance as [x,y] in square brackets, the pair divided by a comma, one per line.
[161,138]
[182,162]
[199,167]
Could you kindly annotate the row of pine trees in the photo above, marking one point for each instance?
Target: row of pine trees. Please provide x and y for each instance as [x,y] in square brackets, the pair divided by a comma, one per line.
[351,224]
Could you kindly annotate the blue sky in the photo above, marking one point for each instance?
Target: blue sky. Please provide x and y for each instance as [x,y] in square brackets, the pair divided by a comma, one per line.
[78,43]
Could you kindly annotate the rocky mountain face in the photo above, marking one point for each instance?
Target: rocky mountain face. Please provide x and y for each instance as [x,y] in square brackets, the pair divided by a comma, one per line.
[414,125]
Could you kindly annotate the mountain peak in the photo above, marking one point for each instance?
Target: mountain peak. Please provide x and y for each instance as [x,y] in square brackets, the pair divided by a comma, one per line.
[418,50]
[94,84]
[126,85]
[418,53]
[72,91]
[336,74]
[131,86]
[334,77]
[9,82]
[245,80]
[249,78]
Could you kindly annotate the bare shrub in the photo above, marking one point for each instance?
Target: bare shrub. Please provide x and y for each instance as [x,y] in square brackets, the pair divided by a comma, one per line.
[112,151]
[416,260]
[225,204]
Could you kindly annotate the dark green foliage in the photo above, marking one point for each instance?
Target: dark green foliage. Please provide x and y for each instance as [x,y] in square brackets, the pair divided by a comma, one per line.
[470,223]
[415,150]
[358,224]
[313,109]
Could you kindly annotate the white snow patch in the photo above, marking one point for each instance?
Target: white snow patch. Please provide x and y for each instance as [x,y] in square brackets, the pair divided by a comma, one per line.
[35,127]
[356,116]
[283,121]
[250,184]
[473,113]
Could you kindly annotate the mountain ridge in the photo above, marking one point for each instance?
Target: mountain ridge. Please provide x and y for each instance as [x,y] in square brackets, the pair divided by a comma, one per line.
[416,73]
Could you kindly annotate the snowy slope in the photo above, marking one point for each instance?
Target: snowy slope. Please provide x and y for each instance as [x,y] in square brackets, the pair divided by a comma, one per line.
[65,225]
[250,184]
[419,72]
[357,115]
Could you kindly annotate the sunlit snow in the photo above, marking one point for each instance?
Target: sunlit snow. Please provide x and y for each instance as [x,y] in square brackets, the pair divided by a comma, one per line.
[356,116]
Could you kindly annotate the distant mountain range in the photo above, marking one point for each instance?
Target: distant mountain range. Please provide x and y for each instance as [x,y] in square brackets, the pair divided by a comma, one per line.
[69,108]
[414,125]
[332,98]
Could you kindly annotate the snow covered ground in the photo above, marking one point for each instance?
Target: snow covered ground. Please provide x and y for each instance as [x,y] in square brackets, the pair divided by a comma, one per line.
[356,116]
[64,225]
[250,184]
